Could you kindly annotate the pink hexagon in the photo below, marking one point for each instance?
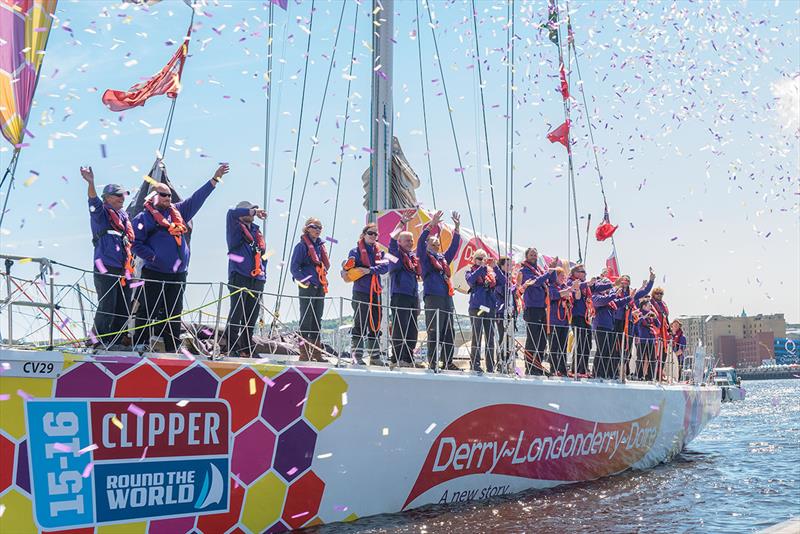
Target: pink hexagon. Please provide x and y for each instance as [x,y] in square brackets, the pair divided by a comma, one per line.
[284,400]
[252,452]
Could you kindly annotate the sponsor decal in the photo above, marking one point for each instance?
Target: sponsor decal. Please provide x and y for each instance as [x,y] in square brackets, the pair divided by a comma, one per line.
[465,260]
[100,461]
[528,442]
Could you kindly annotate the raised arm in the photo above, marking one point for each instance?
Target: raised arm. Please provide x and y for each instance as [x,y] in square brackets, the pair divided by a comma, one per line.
[647,287]
[192,204]
[549,276]
[473,275]
[454,244]
[88,174]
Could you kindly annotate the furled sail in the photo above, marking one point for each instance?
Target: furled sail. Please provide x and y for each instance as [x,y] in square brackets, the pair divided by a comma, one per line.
[404,181]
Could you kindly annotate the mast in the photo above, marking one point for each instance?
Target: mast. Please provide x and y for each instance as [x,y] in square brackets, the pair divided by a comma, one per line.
[382,113]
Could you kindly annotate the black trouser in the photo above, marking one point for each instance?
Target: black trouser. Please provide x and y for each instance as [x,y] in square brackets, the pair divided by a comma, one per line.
[622,346]
[366,324]
[645,362]
[161,297]
[559,335]
[583,344]
[404,326]
[482,323]
[243,312]
[535,339]
[506,352]
[113,305]
[312,305]
[440,330]
[606,360]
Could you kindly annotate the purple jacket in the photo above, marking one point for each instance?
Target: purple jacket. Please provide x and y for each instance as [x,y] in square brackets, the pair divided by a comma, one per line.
[156,246]
[433,282]
[483,294]
[645,326]
[302,268]
[603,313]
[237,244]
[579,305]
[500,296]
[619,315]
[558,315]
[404,282]
[534,295]
[109,246]
[362,285]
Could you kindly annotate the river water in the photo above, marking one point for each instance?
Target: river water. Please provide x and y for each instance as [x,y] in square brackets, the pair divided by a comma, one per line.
[741,474]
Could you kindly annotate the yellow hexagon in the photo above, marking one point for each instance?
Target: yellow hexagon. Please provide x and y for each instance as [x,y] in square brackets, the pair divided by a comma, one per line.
[123,528]
[349,518]
[270,370]
[324,402]
[18,514]
[264,503]
[12,411]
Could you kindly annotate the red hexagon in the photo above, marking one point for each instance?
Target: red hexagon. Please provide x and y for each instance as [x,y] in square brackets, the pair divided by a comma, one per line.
[6,462]
[302,500]
[237,389]
[211,524]
[171,366]
[142,382]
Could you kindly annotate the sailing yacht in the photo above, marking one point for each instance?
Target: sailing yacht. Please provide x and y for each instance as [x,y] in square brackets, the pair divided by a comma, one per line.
[199,441]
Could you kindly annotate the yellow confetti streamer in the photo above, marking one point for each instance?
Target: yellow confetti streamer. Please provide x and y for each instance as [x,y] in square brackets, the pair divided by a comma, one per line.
[117,422]
[252,386]
[26,260]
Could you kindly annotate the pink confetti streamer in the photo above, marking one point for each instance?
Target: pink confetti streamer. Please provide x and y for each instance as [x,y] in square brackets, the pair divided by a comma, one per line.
[268,382]
[135,410]
[87,470]
[144,454]
[24,395]
[176,265]
[100,266]
[186,353]
[291,471]
[136,284]
[62,447]
[4,396]
[331,240]
[88,448]
[235,258]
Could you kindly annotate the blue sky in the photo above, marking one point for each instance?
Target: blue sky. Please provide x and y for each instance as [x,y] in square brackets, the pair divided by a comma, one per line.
[695,106]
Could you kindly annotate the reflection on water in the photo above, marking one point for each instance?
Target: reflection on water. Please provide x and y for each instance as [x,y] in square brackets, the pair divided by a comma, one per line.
[741,474]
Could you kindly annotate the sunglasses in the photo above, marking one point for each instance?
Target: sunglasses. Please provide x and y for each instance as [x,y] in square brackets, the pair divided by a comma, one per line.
[116,194]
[165,195]
[314,227]
[580,271]
[372,233]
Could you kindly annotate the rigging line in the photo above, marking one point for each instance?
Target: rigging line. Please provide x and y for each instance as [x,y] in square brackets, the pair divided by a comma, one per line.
[281,275]
[319,120]
[450,115]
[10,171]
[344,128]
[424,108]
[168,127]
[279,98]
[571,163]
[483,113]
[268,117]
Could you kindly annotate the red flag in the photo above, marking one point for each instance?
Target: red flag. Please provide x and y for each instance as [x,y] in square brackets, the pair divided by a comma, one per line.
[612,268]
[564,85]
[606,229]
[167,81]
[560,134]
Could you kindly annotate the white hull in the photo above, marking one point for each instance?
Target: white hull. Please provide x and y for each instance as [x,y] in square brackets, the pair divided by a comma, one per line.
[309,445]
[732,393]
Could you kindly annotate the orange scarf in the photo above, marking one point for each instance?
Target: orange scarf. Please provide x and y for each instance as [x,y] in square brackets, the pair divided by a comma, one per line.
[176,227]
[126,230]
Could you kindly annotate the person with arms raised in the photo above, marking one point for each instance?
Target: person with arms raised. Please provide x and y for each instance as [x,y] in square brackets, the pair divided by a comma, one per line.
[246,275]
[623,326]
[483,278]
[405,274]
[112,238]
[309,267]
[438,290]
[161,242]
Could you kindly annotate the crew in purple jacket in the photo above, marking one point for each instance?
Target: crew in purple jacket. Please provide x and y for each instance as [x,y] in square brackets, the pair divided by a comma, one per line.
[246,275]
[483,278]
[366,301]
[534,284]
[405,273]
[112,236]
[623,325]
[506,289]
[561,296]
[160,240]
[582,313]
[648,361]
[678,344]
[606,361]
[438,291]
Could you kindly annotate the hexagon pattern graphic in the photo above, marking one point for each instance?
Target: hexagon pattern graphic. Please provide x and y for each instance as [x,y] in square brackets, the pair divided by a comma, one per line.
[275,415]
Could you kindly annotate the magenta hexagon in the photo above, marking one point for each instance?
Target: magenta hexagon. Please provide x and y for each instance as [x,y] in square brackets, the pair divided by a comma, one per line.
[295,450]
[284,400]
[84,380]
[252,452]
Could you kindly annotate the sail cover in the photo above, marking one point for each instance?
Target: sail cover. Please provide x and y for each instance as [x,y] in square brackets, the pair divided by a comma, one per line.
[404,181]
[24,26]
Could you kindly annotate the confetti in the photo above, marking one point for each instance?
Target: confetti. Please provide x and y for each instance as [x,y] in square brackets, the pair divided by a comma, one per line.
[62,447]
[430,428]
[144,454]
[385,431]
[331,240]
[117,422]
[235,258]
[103,150]
[181,403]
[135,410]
[4,396]
[340,508]
[291,471]
[335,411]
[176,265]
[25,396]
[88,448]
[325,455]
[87,470]
[186,353]
[100,266]
[554,405]
[654,407]
[252,386]
[137,283]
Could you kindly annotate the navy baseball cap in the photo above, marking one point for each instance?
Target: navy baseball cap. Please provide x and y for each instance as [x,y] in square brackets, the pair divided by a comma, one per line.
[114,189]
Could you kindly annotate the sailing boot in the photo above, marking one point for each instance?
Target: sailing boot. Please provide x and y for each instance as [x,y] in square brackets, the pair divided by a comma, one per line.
[304,353]
[315,353]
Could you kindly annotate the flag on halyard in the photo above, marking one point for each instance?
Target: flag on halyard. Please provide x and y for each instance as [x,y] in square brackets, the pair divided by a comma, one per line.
[560,134]
[167,81]
[562,74]
[283,4]
[552,21]
[612,267]
[606,229]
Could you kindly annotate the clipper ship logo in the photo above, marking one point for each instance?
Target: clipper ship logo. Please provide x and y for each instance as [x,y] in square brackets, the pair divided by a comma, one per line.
[102,461]
[522,441]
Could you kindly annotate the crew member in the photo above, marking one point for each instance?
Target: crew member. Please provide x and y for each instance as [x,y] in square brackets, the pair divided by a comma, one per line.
[623,326]
[506,290]
[606,362]
[662,311]
[649,361]
[368,262]
[309,267]
[438,290]
[534,286]
[161,242]
[582,315]
[678,343]
[246,275]
[560,299]
[405,274]
[112,236]
[483,278]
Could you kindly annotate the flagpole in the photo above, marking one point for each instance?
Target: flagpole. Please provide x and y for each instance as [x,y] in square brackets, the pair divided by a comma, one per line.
[162,147]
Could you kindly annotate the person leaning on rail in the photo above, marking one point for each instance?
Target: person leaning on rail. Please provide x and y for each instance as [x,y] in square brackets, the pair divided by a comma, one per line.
[649,360]
[405,274]
[309,268]
[112,237]
[582,314]
[623,326]
[160,241]
[606,361]
[364,267]
[246,275]
[534,286]
[506,289]
[560,297]
[438,290]
[482,278]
